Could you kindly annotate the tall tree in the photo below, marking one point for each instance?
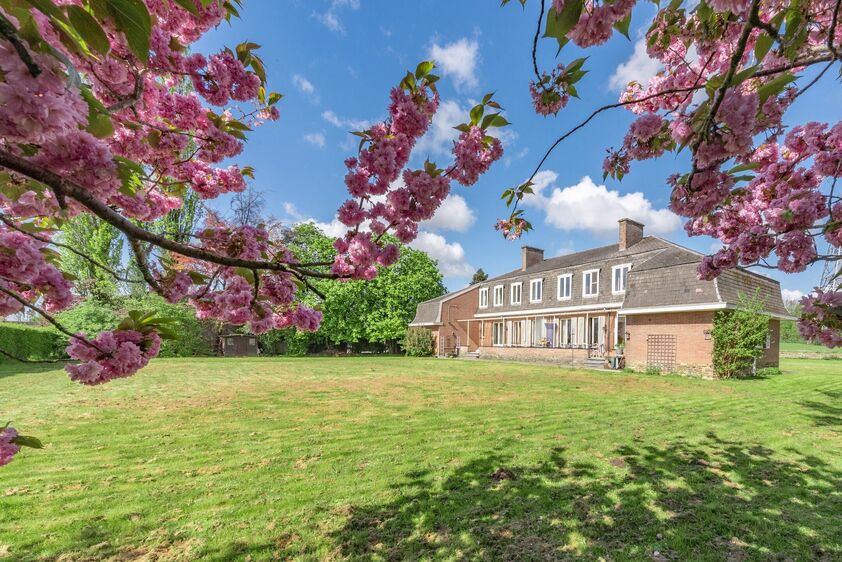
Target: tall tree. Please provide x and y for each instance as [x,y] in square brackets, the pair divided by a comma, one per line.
[479,277]
[89,241]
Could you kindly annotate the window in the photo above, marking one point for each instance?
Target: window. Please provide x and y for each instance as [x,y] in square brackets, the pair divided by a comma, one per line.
[516,293]
[619,276]
[518,333]
[497,335]
[768,340]
[565,286]
[498,295]
[536,290]
[590,283]
[567,335]
[483,298]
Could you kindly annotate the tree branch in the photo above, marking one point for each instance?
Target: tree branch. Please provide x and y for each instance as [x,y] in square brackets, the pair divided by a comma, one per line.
[65,188]
[22,360]
[143,265]
[8,31]
[535,45]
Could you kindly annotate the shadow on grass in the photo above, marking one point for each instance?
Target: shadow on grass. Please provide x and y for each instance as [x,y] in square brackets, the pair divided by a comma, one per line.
[824,414]
[716,500]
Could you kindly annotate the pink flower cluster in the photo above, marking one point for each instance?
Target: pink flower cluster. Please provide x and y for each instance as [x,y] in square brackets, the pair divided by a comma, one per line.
[8,447]
[550,95]
[26,271]
[596,21]
[821,321]
[111,355]
[475,151]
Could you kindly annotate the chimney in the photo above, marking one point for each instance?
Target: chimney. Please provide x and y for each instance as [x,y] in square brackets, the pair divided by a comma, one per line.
[631,232]
[529,256]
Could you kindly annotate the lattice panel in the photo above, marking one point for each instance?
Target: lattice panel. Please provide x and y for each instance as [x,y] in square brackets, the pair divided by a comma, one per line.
[660,351]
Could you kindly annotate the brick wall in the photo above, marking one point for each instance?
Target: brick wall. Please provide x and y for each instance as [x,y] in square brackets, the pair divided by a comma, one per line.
[454,315]
[693,353]
[535,354]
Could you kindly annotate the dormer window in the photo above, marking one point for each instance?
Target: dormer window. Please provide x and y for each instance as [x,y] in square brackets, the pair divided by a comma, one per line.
[536,290]
[483,297]
[619,278]
[516,295]
[590,283]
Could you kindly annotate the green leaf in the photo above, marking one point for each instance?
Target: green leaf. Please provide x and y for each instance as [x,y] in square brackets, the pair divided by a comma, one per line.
[28,441]
[494,120]
[88,28]
[424,68]
[464,127]
[559,24]
[187,5]
[762,47]
[100,125]
[132,18]
[774,86]
[623,25]
[476,114]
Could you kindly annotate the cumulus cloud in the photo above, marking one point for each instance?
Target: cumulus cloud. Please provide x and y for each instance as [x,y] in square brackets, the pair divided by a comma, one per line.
[639,68]
[450,256]
[316,139]
[595,208]
[344,122]
[304,86]
[454,214]
[792,295]
[330,17]
[458,60]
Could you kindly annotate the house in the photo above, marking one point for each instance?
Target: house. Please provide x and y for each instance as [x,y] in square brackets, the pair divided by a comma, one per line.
[450,319]
[639,298]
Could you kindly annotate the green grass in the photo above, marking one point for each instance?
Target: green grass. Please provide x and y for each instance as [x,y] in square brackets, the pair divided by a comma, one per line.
[392,458]
[807,348]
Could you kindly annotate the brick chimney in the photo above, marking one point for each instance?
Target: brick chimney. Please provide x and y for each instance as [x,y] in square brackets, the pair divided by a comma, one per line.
[529,256]
[631,232]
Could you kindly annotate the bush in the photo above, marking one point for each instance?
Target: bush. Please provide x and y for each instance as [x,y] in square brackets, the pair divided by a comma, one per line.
[93,316]
[192,336]
[768,372]
[31,342]
[418,342]
[739,337]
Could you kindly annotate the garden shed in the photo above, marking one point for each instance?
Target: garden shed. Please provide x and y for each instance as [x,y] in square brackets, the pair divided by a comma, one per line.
[239,345]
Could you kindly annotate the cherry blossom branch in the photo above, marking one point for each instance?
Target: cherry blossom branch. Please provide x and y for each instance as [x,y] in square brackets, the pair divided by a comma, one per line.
[48,317]
[67,247]
[22,360]
[831,36]
[535,45]
[143,265]
[8,31]
[63,188]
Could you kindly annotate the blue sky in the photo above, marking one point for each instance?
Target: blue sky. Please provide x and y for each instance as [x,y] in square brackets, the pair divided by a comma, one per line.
[335,61]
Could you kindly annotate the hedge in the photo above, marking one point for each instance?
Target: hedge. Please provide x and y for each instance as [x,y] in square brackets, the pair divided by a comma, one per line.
[31,342]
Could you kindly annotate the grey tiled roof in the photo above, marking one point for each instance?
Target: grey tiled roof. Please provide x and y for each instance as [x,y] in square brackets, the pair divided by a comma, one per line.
[429,311]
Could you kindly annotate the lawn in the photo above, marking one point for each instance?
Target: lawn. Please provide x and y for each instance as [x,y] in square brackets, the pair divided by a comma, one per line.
[394,459]
[804,347]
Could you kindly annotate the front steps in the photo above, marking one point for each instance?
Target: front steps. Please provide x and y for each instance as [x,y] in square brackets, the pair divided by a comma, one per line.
[596,363]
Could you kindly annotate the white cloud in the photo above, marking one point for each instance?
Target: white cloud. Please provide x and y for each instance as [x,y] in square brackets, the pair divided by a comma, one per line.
[792,295]
[440,136]
[345,123]
[316,139]
[592,207]
[459,61]
[450,256]
[639,68]
[454,214]
[303,85]
[330,17]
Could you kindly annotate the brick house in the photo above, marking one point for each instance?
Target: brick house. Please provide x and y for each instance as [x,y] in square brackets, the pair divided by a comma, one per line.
[639,298]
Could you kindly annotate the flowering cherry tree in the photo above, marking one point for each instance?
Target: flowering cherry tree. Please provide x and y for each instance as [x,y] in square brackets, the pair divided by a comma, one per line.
[731,71]
[105,109]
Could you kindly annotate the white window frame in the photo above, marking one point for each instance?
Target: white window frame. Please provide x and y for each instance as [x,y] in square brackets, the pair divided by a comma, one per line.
[586,285]
[540,283]
[768,343]
[569,287]
[519,286]
[483,297]
[502,294]
[498,334]
[614,289]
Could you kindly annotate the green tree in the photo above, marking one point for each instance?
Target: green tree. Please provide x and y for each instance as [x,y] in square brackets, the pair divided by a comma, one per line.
[95,240]
[739,337]
[376,311]
[479,277]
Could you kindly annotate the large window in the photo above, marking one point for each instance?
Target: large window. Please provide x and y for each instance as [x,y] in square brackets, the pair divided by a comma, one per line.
[498,337]
[536,290]
[498,295]
[590,283]
[565,286]
[518,334]
[483,298]
[619,277]
[517,293]
[568,336]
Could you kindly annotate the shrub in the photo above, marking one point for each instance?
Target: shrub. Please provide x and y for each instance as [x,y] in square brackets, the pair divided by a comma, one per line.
[768,372]
[192,336]
[31,342]
[653,370]
[739,337]
[418,342]
[90,316]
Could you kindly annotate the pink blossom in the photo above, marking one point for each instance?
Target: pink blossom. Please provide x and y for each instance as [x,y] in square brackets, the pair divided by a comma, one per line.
[474,152]
[8,448]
